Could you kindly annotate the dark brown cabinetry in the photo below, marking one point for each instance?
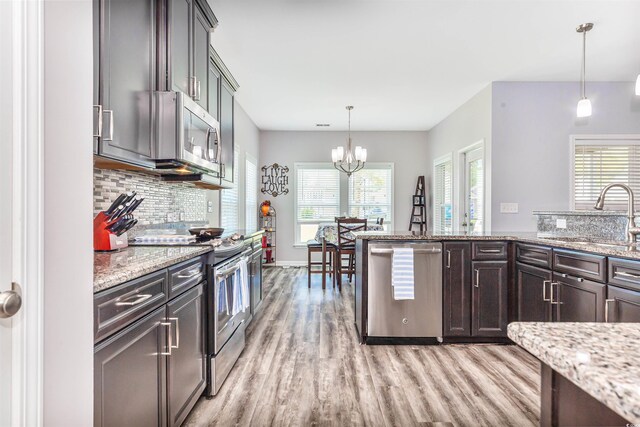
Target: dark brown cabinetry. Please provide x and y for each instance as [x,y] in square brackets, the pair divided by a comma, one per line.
[489,295]
[533,285]
[457,289]
[623,305]
[576,299]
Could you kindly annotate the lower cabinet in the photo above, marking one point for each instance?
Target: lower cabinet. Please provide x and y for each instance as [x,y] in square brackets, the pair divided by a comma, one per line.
[623,305]
[576,299]
[457,289]
[152,372]
[489,310]
[533,285]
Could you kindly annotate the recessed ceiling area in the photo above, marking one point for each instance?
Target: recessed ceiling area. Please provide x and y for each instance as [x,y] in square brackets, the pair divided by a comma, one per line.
[407,64]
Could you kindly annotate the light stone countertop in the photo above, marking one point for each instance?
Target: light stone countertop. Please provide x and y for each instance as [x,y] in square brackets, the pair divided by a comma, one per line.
[113,268]
[600,358]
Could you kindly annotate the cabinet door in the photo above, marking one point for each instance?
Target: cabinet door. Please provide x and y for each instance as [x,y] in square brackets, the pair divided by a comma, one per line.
[130,375]
[578,300]
[214,90]
[201,32]
[226,130]
[623,305]
[186,364]
[490,297]
[180,33]
[457,289]
[127,78]
[533,286]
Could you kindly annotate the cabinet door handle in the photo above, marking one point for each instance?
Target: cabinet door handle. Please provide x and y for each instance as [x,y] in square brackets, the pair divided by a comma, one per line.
[170,338]
[627,274]
[544,290]
[556,302]
[177,332]
[97,121]
[477,278]
[448,258]
[606,309]
[139,299]
[192,86]
[110,113]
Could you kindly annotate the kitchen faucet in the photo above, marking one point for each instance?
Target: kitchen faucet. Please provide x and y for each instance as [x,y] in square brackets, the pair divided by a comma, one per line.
[632,229]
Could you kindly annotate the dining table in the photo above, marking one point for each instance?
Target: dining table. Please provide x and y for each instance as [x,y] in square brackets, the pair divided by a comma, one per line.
[328,231]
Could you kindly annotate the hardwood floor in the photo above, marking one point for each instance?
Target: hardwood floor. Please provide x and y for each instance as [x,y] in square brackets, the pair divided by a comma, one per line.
[303,365]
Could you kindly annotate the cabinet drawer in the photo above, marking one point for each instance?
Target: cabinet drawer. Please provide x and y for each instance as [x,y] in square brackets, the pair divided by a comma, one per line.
[624,272]
[185,276]
[116,308]
[580,264]
[481,251]
[534,255]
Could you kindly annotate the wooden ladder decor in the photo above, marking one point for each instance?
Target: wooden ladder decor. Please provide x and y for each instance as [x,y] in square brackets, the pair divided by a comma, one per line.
[419,209]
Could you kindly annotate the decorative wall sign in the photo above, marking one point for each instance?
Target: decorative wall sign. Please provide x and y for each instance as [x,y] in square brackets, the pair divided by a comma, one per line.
[275,180]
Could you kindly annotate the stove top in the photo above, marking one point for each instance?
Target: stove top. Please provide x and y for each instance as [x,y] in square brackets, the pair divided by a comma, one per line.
[219,245]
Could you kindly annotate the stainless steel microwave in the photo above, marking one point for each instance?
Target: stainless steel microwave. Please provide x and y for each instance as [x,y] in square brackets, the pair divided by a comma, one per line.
[187,136]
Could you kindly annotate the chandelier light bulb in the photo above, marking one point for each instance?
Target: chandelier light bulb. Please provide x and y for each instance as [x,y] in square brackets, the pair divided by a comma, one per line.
[584,108]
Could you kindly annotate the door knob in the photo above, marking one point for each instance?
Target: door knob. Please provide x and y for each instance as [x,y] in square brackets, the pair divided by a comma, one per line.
[10,302]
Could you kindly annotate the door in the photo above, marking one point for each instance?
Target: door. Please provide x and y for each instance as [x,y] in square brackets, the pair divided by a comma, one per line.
[201,32]
[473,187]
[489,298]
[457,289]
[578,300]
[127,78]
[186,362]
[180,42]
[623,305]
[533,285]
[130,375]
[226,130]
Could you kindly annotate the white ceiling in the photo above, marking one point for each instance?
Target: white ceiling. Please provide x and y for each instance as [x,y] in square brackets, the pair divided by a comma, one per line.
[407,64]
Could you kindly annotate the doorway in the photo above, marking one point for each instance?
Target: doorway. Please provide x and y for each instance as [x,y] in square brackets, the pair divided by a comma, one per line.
[472,194]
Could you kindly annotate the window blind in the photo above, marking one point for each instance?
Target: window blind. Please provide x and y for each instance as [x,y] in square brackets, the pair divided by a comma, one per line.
[370,194]
[229,208]
[443,189]
[318,194]
[251,185]
[597,165]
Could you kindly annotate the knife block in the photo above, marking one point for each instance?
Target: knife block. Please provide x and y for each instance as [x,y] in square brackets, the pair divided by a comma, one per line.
[103,239]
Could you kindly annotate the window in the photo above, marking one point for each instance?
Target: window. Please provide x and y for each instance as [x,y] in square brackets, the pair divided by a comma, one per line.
[442,193]
[317,198]
[371,193]
[599,162]
[229,207]
[251,185]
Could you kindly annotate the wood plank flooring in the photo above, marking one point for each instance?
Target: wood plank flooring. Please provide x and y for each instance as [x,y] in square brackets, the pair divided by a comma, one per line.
[303,366]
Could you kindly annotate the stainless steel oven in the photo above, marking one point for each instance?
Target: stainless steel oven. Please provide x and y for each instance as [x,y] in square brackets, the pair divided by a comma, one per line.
[187,136]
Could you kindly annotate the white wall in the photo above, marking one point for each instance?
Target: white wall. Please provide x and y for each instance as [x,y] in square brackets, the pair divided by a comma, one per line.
[407,150]
[68,201]
[532,122]
[469,124]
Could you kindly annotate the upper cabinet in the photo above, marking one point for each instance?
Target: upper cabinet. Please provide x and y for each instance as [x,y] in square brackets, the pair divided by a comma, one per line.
[124,78]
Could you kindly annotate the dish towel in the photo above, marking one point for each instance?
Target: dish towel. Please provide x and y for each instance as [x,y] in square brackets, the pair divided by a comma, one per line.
[402,274]
[241,299]
[223,298]
[244,275]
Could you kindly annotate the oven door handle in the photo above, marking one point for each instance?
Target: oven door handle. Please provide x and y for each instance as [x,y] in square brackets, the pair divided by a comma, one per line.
[228,271]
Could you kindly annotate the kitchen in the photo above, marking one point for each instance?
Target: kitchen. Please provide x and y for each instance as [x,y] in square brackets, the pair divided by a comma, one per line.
[194,101]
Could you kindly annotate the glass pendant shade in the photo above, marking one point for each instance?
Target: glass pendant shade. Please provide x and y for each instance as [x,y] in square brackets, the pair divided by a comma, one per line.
[584,108]
[638,85]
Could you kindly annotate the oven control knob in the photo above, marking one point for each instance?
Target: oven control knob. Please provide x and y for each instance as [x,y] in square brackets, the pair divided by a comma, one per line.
[405,321]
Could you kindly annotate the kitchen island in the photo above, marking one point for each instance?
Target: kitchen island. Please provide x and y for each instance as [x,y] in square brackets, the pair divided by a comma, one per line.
[590,371]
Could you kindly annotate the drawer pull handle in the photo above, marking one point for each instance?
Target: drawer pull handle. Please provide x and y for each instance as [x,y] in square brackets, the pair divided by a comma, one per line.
[544,290]
[170,338]
[177,332]
[566,276]
[490,251]
[448,259]
[606,309]
[191,273]
[139,299]
[626,274]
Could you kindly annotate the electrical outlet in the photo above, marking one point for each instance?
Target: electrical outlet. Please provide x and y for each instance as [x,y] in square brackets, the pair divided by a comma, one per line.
[561,223]
[509,208]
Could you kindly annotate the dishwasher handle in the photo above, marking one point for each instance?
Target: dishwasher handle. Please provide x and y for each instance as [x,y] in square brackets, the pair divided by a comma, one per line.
[389,251]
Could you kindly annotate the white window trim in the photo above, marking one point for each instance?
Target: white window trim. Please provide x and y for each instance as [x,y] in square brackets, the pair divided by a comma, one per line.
[595,139]
[379,165]
[458,182]
[251,159]
[437,162]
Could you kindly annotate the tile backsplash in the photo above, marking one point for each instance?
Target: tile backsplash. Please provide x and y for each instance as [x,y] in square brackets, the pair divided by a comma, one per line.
[164,202]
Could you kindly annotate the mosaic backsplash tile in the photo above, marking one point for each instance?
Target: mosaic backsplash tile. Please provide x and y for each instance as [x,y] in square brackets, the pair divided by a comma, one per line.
[164,202]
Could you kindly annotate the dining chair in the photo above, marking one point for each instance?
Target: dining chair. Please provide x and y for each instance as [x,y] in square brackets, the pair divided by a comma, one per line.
[347,246]
[379,221]
[324,248]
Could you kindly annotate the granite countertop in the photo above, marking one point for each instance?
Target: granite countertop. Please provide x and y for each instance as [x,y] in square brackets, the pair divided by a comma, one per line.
[591,212]
[584,244]
[113,268]
[600,358]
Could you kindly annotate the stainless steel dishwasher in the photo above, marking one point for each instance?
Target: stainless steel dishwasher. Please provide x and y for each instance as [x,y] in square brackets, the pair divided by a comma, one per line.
[417,318]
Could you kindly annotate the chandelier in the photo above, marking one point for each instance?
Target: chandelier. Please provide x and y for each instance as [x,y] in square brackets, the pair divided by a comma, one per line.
[349,161]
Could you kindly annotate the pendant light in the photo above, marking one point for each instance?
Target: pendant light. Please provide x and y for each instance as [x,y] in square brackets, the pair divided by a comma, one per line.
[349,161]
[584,105]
